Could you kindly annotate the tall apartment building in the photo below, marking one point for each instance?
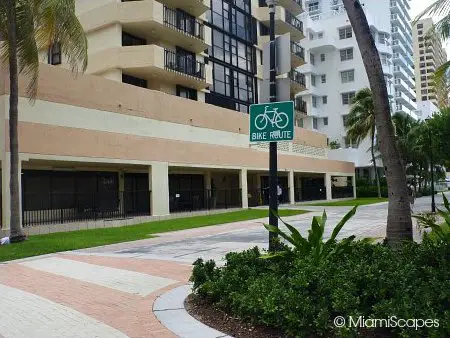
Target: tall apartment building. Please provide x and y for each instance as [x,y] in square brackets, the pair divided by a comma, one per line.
[429,55]
[335,71]
[156,126]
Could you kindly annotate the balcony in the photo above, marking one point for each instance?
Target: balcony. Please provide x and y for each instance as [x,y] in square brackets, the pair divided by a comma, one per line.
[293,6]
[285,22]
[153,62]
[401,85]
[298,55]
[300,106]
[152,21]
[193,7]
[402,99]
[298,82]
[405,63]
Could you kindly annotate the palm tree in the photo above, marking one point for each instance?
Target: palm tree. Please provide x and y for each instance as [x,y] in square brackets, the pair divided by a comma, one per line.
[30,26]
[399,222]
[361,124]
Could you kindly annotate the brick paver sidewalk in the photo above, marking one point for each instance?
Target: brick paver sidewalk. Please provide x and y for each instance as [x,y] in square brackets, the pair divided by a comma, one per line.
[85,296]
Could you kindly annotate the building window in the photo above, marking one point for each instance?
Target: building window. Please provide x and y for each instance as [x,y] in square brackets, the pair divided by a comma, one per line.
[324,99]
[424,98]
[314,102]
[347,97]
[315,123]
[135,81]
[324,78]
[313,80]
[313,6]
[346,54]
[345,33]
[422,58]
[348,76]
[325,121]
[344,120]
[320,35]
[322,57]
[419,26]
[187,93]
[54,54]
[382,38]
[384,59]
[230,50]
[312,59]
[235,20]
[420,32]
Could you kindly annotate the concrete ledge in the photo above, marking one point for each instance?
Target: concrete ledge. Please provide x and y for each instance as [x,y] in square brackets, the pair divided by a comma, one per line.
[170,311]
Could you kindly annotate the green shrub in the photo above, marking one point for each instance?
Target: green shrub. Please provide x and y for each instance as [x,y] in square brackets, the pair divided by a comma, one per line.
[370,191]
[314,244]
[439,232]
[302,296]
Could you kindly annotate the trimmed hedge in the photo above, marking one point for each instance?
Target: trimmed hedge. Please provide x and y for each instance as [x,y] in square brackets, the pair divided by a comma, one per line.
[371,191]
[302,298]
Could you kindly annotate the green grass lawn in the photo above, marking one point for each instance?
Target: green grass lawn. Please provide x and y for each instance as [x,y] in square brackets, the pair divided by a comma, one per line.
[64,241]
[350,203]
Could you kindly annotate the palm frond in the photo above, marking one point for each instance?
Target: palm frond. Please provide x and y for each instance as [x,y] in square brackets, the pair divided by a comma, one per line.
[437,8]
[58,23]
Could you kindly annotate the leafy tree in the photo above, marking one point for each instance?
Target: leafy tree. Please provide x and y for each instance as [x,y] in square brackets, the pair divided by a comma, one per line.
[29,26]
[361,124]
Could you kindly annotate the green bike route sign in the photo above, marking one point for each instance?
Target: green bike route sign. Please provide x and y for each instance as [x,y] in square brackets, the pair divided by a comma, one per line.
[272,122]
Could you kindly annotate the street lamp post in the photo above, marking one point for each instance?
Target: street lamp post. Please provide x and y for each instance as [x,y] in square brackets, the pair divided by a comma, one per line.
[273,170]
[433,203]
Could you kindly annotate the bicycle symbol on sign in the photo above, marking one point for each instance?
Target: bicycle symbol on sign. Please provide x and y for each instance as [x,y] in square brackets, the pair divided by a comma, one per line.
[279,119]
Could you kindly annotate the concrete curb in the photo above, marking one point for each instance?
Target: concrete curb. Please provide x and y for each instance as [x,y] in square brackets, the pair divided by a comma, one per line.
[170,311]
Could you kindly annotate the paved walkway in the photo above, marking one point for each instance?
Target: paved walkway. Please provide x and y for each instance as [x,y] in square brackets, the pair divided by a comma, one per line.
[109,291]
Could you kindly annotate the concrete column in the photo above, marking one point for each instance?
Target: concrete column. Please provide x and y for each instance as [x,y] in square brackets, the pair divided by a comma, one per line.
[6,200]
[208,180]
[121,189]
[354,185]
[291,187]
[243,185]
[159,186]
[328,186]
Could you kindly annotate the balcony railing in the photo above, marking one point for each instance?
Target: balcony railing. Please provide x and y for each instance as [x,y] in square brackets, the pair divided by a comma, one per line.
[297,77]
[184,63]
[55,208]
[207,199]
[297,50]
[300,105]
[293,21]
[184,22]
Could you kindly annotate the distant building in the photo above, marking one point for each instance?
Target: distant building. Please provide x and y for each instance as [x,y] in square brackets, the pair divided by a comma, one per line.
[429,55]
[426,109]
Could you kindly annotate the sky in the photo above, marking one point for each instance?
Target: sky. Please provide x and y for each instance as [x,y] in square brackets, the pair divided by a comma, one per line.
[419,5]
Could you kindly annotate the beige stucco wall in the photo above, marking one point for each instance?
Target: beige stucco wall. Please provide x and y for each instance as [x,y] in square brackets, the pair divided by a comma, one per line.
[93,117]
[98,93]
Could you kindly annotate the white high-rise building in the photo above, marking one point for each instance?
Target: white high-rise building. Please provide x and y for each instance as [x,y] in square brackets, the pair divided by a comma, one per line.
[335,69]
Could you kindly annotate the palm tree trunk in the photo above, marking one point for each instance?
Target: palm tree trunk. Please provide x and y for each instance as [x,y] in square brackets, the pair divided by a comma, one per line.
[15,226]
[399,223]
[372,150]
